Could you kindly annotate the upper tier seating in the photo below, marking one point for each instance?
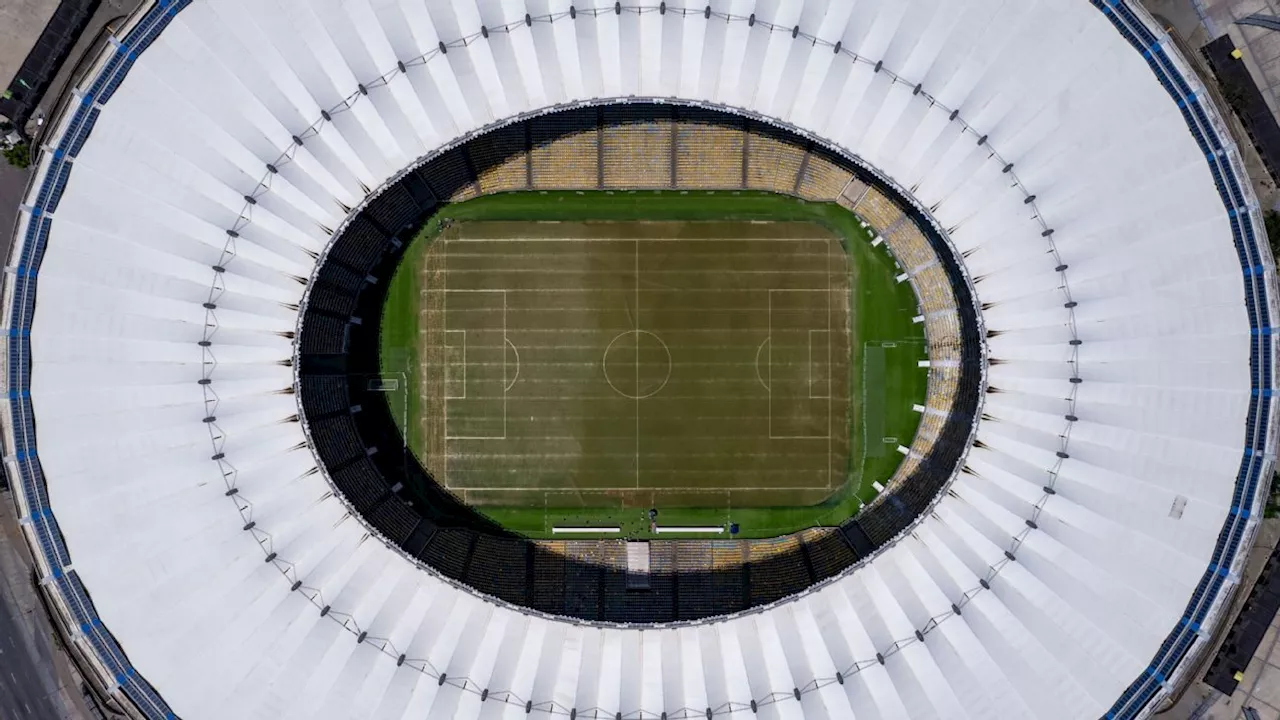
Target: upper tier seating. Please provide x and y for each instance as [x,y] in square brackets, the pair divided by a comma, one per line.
[637,150]
[878,210]
[773,161]
[709,154]
[823,179]
[500,159]
[566,151]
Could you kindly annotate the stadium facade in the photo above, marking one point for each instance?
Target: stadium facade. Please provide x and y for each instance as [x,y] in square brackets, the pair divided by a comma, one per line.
[1074,566]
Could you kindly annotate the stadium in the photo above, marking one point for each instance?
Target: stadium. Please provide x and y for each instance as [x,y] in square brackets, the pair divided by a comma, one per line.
[664,360]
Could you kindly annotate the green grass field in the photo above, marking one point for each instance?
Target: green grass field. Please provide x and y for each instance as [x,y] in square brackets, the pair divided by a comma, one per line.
[574,358]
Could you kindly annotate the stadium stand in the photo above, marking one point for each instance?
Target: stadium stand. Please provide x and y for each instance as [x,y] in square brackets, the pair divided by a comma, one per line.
[450,177]
[878,210]
[501,572]
[340,276]
[773,160]
[325,394]
[636,152]
[566,151]
[501,159]
[326,298]
[450,550]
[709,151]
[828,552]
[394,210]
[363,245]
[773,572]
[324,335]
[394,519]
[336,439]
[823,178]
[361,483]
[548,574]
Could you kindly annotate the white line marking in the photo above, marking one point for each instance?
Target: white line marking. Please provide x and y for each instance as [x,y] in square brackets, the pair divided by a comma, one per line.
[604,363]
[447,365]
[517,352]
[763,384]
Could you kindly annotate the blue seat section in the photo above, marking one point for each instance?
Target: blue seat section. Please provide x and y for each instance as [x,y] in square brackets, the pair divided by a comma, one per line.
[49,540]
[1179,642]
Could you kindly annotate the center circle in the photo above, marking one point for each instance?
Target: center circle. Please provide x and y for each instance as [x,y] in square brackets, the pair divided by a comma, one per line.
[637,364]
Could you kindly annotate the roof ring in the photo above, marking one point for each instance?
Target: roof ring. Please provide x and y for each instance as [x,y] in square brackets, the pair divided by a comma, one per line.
[400,66]
[528,20]
[795,32]
[484,32]
[326,116]
[707,13]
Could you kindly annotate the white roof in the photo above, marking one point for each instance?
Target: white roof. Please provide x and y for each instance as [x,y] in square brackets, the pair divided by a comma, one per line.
[1062,631]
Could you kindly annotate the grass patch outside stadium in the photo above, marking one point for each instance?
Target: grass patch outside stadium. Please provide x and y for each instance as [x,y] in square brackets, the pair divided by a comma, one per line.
[575,358]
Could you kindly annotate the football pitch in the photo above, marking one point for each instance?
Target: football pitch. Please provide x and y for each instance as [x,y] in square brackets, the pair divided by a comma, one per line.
[574,359]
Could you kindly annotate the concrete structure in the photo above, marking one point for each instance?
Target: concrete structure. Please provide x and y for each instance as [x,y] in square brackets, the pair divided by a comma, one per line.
[1074,570]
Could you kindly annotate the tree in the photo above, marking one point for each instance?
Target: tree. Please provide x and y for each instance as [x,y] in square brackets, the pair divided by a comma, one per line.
[18,155]
[1272,220]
